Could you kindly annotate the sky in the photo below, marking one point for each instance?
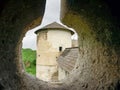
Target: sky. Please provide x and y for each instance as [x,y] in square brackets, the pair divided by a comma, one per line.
[52,13]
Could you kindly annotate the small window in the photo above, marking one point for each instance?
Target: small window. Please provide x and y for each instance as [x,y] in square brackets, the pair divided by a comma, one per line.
[45,36]
[60,49]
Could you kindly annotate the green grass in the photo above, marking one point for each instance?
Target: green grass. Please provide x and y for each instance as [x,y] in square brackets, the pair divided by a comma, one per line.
[29,59]
[31,70]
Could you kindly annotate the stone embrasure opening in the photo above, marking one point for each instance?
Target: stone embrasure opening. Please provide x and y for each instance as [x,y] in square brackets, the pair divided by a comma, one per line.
[55,55]
[98,66]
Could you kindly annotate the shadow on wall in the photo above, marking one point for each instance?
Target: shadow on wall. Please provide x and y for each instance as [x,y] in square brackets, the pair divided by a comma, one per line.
[1,87]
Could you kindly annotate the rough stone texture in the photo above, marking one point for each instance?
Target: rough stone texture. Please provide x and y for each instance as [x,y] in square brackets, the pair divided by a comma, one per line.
[97,23]
[15,16]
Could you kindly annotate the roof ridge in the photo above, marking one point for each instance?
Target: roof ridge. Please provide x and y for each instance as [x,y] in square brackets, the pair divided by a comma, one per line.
[55,25]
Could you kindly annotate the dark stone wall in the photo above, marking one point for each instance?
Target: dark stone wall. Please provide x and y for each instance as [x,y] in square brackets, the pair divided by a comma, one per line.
[97,24]
[15,15]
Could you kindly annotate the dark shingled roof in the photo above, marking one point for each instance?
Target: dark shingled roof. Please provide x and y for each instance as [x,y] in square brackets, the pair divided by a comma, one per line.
[68,59]
[53,26]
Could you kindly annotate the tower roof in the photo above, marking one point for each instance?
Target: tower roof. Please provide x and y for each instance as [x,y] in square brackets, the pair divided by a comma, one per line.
[53,26]
[68,59]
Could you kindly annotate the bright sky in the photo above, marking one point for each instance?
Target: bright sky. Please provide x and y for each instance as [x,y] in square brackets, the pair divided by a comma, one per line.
[52,13]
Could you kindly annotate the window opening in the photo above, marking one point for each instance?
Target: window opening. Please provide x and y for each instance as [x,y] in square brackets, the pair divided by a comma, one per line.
[37,61]
[60,49]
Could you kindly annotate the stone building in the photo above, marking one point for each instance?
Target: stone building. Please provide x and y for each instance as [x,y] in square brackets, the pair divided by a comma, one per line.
[74,43]
[66,62]
[52,40]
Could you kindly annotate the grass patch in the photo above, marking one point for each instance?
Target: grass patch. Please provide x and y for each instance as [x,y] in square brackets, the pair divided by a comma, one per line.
[29,59]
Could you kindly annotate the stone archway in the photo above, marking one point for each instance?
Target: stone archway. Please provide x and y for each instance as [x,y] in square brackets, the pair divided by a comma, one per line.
[98,66]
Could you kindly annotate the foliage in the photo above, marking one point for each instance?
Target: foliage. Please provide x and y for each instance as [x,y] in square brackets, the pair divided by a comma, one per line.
[29,59]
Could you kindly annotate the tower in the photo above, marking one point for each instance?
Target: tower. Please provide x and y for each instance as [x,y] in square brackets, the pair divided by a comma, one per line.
[51,41]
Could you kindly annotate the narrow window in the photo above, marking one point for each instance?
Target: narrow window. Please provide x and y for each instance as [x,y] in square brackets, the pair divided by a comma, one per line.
[60,49]
[45,36]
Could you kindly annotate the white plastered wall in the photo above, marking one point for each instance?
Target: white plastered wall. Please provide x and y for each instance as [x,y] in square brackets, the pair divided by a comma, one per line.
[48,43]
